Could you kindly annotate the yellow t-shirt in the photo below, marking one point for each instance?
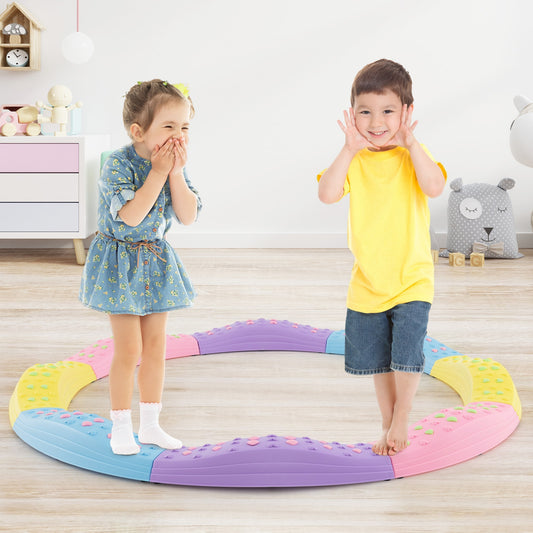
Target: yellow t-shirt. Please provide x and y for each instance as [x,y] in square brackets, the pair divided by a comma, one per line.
[388,232]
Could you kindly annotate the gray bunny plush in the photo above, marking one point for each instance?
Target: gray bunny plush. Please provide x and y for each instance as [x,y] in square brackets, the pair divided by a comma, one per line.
[480,220]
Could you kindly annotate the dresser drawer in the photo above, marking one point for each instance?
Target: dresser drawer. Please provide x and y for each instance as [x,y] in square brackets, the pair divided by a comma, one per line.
[39,157]
[39,187]
[38,217]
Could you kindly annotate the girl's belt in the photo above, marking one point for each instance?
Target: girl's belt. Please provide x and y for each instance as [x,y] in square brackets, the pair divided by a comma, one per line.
[137,246]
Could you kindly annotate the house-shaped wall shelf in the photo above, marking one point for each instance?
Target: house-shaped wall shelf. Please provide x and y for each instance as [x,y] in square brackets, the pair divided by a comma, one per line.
[20,34]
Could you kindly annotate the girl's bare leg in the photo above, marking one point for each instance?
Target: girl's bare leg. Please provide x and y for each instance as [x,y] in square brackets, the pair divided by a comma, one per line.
[151,373]
[127,350]
[151,377]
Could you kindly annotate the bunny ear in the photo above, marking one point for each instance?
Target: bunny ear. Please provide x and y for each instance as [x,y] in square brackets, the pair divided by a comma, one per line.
[506,184]
[521,102]
[456,184]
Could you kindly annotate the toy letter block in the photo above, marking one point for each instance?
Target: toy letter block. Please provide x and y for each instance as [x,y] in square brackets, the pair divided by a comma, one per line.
[457,259]
[477,260]
[435,255]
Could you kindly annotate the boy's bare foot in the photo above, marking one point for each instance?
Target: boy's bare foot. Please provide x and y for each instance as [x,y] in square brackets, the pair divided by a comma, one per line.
[398,433]
[381,447]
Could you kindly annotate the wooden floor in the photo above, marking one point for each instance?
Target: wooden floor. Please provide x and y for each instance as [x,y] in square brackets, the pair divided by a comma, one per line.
[484,312]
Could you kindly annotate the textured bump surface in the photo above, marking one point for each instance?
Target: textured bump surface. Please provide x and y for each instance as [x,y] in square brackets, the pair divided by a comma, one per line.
[39,417]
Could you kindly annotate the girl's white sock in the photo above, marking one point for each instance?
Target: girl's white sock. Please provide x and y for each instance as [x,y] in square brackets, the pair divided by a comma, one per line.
[150,432]
[122,439]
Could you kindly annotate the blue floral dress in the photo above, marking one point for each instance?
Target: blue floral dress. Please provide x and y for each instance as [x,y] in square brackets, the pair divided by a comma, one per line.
[133,270]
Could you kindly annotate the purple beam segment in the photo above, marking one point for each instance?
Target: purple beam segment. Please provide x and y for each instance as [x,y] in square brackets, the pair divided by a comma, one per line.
[271,461]
[261,334]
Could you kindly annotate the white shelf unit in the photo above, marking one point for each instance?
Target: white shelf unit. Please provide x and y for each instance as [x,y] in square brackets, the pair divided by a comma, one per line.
[48,187]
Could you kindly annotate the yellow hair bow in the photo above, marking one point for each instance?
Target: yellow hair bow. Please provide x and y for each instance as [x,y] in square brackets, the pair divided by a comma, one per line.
[183,89]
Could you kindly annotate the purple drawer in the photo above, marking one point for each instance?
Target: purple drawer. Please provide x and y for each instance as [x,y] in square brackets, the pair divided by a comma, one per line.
[39,157]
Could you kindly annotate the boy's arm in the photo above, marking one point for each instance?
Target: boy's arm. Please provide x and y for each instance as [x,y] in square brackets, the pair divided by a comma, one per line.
[428,173]
[331,185]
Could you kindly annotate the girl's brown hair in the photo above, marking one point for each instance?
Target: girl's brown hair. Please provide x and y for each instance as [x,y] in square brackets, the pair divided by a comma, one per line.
[145,98]
[381,75]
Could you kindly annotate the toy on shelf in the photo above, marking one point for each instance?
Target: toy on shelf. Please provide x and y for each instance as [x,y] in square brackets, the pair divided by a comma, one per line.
[480,220]
[14,31]
[17,119]
[19,39]
[59,98]
[39,416]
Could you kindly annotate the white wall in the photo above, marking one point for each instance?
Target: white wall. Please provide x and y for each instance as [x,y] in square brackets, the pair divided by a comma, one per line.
[269,80]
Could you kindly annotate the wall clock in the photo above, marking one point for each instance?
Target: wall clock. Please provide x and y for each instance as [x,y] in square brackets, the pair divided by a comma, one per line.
[17,58]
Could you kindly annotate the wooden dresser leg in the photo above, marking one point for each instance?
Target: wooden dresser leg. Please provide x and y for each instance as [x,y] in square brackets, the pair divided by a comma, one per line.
[79,249]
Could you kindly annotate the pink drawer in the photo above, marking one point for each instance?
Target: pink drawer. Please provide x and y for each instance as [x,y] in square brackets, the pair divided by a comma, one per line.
[39,157]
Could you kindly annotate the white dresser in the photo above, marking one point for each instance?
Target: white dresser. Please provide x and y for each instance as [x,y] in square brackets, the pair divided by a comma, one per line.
[48,187]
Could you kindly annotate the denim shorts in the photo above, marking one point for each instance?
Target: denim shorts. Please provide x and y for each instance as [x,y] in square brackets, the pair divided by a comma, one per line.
[382,342]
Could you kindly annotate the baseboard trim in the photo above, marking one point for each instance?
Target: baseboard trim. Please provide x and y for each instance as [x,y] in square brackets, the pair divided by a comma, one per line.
[238,240]
[258,240]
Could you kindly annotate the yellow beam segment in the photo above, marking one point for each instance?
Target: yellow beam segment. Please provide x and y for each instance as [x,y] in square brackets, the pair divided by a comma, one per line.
[477,379]
[49,385]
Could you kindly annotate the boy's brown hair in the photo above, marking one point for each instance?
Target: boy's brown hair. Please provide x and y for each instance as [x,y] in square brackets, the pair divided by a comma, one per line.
[144,99]
[381,75]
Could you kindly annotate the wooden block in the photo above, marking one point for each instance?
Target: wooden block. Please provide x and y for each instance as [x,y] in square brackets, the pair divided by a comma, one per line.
[477,260]
[457,259]
[435,255]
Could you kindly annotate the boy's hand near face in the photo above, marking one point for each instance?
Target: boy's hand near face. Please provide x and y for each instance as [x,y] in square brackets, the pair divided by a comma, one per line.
[404,136]
[354,140]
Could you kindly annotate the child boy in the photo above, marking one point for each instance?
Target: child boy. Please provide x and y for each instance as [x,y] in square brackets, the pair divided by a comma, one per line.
[389,176]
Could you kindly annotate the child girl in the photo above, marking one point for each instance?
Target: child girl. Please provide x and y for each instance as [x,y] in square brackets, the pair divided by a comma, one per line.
[131,272]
